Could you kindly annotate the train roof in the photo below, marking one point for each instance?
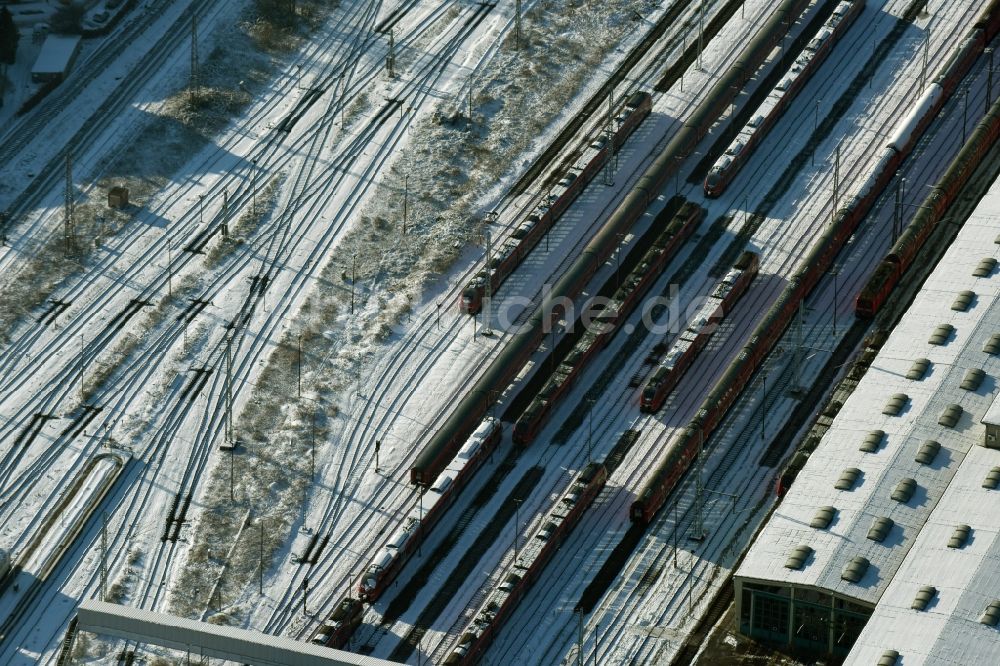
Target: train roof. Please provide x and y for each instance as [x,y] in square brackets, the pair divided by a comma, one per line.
[916,484]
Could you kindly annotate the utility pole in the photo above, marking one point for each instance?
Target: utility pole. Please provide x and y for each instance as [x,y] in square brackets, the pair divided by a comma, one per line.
[836,297]
[201,209]
[836,185]
[193,85]
[305,595]
[468,126]
[260,566]
[517,24]
[923,69]
[965,115]
[590,432]
[253,189]
[989,82]
[170,270]
[300,363]
[701,32]
[609,172]
[378,447]
[699,490]
[763,405]
[354,275]
[390,59]
[517,525]
[489,284]
[579,651]
[104,558]
[229,389]
[225,213]
[68,203]
[406,196]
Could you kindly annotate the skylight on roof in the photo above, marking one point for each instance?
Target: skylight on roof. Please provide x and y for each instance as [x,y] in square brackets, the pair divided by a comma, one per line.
[992,345]
[973,379]
[872,441]
[919,369]
[985,267]
[797,558]
[895,404]
[950,416]
[855,569]
[888,658]
[904,490]
[847,478]
[823,517]
[941,334]
[928,452]
[880,528]
[991,615]
[992,479]
[924,596]
[963,300]
[960,536]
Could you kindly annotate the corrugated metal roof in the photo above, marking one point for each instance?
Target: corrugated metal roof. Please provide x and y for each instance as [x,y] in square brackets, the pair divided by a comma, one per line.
[916,533]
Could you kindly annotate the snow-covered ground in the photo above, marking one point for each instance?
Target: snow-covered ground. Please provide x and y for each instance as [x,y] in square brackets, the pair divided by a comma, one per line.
[383,369]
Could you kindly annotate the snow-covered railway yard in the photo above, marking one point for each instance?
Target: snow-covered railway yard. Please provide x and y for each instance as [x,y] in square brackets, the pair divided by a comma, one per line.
[191,400]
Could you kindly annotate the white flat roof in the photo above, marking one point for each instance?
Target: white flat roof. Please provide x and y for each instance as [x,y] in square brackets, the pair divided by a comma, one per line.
[248,647]
[882,470]
[55,55]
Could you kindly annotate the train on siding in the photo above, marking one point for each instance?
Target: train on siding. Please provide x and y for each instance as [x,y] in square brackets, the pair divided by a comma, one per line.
[433,502]
[891,269]
[532,558]
[690,342]
[774,105]
[598,150]
[685,447]
[443,443]
[337,630]
[628,294]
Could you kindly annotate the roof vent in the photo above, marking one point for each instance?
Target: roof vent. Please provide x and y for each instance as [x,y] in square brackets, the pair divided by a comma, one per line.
[985,267]
[960,536]
[941,334]
[823,518]
[847,478]
[895,404]
[973,379]
[963,300]
[872,441]
[992,614]
[919,369]
[904,490]
[855,569]
[992,345]
[798,557]
[928,452]
[924,596]
[880,528]
[888,658]
[992,479]
[950,416]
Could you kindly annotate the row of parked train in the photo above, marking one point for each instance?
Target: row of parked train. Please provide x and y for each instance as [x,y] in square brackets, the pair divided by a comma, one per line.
[527,567]
[817,261]
[689,343]
[621,304]
[889,272]
[767,114]
[598,150]
[457,448]
[443,443]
